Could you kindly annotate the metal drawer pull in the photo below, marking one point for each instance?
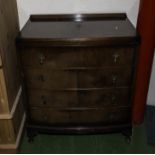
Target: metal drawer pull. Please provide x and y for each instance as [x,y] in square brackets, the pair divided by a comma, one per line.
[113,99]
[41,59]
[115,56]
[114,79]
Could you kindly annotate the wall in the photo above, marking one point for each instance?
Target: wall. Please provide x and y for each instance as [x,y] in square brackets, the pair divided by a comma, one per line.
[151,93]
[27,7]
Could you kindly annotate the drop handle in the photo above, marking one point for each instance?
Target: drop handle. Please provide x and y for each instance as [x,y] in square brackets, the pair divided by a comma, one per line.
[114,79]
[41,59]
[113,99]
[115,57]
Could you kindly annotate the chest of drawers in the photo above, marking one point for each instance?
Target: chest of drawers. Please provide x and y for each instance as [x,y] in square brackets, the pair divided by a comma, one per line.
[78,72]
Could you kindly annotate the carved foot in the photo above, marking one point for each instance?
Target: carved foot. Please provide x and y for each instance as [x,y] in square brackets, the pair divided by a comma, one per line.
[31,134]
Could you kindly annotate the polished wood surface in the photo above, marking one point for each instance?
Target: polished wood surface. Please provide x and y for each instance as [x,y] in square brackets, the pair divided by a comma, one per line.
[77,57]
[73,17]
[78,31]
[78,72]
[81,115]
[82,98]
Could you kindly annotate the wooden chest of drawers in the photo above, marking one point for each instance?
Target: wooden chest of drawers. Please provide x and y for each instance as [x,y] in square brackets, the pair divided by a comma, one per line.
[78,72]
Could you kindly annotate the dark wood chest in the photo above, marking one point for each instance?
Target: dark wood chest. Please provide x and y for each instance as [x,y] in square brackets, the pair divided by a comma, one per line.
[79,72]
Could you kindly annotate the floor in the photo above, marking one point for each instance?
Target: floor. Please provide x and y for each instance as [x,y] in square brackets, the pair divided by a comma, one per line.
[108,143]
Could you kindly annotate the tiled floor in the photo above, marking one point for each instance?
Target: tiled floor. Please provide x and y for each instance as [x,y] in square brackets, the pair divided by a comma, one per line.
[109,143]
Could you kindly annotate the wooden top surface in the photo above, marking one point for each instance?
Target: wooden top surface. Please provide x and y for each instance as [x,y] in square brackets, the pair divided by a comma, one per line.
[89,29]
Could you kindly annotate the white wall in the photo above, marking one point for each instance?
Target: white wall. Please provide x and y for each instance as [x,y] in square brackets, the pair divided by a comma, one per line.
[27,7]
[151,93]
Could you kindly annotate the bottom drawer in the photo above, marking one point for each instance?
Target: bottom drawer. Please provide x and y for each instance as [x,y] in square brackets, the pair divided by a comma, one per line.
[81,115]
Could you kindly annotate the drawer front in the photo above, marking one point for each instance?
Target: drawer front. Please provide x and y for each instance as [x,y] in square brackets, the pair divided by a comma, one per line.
[98,57]
[43,98]
[50,79]
[107,77]
[79,116]
[47,115]
[51,57]
[62,79]
[77,57]
[106,115]
[82,98]
[104,98]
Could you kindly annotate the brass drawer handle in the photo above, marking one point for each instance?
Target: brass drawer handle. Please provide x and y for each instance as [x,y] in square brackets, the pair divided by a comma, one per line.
[41,59]
[113,100]
[115,57]
[114,79]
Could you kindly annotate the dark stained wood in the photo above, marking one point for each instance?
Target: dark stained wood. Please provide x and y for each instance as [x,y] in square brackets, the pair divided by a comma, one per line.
[104,97]
[46,98]
[77,57]
[106,77]
[97,78]
[78,33]
[88,98]
[50,79]
[80,129]
[70,17]
[81,115]
[78,72]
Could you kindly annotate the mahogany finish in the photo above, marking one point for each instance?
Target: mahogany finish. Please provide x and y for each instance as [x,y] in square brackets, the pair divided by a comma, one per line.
[79,72]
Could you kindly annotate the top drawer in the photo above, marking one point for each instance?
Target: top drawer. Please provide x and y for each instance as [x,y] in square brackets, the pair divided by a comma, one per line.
[77,57]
